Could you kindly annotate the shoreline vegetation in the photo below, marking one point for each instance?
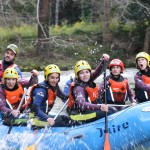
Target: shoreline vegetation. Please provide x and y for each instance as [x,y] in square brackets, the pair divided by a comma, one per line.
[67,44]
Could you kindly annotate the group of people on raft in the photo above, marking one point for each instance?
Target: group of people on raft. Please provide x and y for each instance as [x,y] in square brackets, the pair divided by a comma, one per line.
[86,99]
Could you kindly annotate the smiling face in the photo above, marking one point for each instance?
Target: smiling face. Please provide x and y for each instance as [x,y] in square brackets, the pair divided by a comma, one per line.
[9,55]
[116,70]
[53,79]
[10,83]
[84,75]
[142,63]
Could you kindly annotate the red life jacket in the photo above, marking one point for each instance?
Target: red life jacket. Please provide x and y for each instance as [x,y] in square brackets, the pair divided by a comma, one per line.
[92,94]
[14,97]
[118,90]
[146,80]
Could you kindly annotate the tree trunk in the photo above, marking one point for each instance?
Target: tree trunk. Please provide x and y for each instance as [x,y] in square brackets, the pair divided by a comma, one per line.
[57,13]
[146,47]
[43,17]
[106,23]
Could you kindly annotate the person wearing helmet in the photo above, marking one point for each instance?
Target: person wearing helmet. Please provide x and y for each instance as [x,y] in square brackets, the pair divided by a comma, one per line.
[82,105]
[118,89]
[142,77]
[43,96]
[11,92]
[8,62]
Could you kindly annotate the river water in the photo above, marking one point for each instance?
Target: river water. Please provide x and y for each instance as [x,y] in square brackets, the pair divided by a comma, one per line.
[65,76]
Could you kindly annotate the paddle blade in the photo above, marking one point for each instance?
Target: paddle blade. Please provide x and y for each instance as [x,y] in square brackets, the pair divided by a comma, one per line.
[32,147]
[106,144]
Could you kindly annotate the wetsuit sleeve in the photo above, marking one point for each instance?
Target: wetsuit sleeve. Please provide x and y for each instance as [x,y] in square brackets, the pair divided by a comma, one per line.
[25,81]
[101,88]
[98,71]
[131,94]
[39,103]
[140,84]
[3,107]
[19,72]
[80,99]
[67,87]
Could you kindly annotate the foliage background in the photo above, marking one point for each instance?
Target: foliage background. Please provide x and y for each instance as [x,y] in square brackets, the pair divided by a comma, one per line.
[79,33]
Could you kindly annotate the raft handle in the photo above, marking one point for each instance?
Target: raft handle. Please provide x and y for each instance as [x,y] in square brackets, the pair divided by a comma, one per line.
[79,136]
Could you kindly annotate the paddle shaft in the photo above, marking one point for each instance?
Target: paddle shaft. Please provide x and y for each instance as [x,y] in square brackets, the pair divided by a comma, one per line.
[61,110]
[115,105]
[106,120]
[20,104]
[106,143]
[39,139]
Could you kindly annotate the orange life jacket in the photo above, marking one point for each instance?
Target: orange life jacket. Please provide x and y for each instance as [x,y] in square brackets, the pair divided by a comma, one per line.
[119,90]
[92,94]
[51,95]
[14,97]
[146,80]
[71,101]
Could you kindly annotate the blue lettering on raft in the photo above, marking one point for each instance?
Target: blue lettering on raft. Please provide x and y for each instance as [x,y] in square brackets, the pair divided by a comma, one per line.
[114,128]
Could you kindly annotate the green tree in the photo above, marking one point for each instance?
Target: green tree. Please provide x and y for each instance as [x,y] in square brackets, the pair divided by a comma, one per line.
[43,17]
[139,13]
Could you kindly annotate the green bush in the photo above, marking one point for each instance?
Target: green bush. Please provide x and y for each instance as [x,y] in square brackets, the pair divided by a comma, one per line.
[77,28]
[70,43]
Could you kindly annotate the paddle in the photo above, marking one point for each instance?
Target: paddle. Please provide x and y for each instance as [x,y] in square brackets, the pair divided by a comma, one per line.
[106,143]
[20,104]
[33,147]
[116,105]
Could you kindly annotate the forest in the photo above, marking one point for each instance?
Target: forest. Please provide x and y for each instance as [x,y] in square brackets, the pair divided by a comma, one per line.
[65,31]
